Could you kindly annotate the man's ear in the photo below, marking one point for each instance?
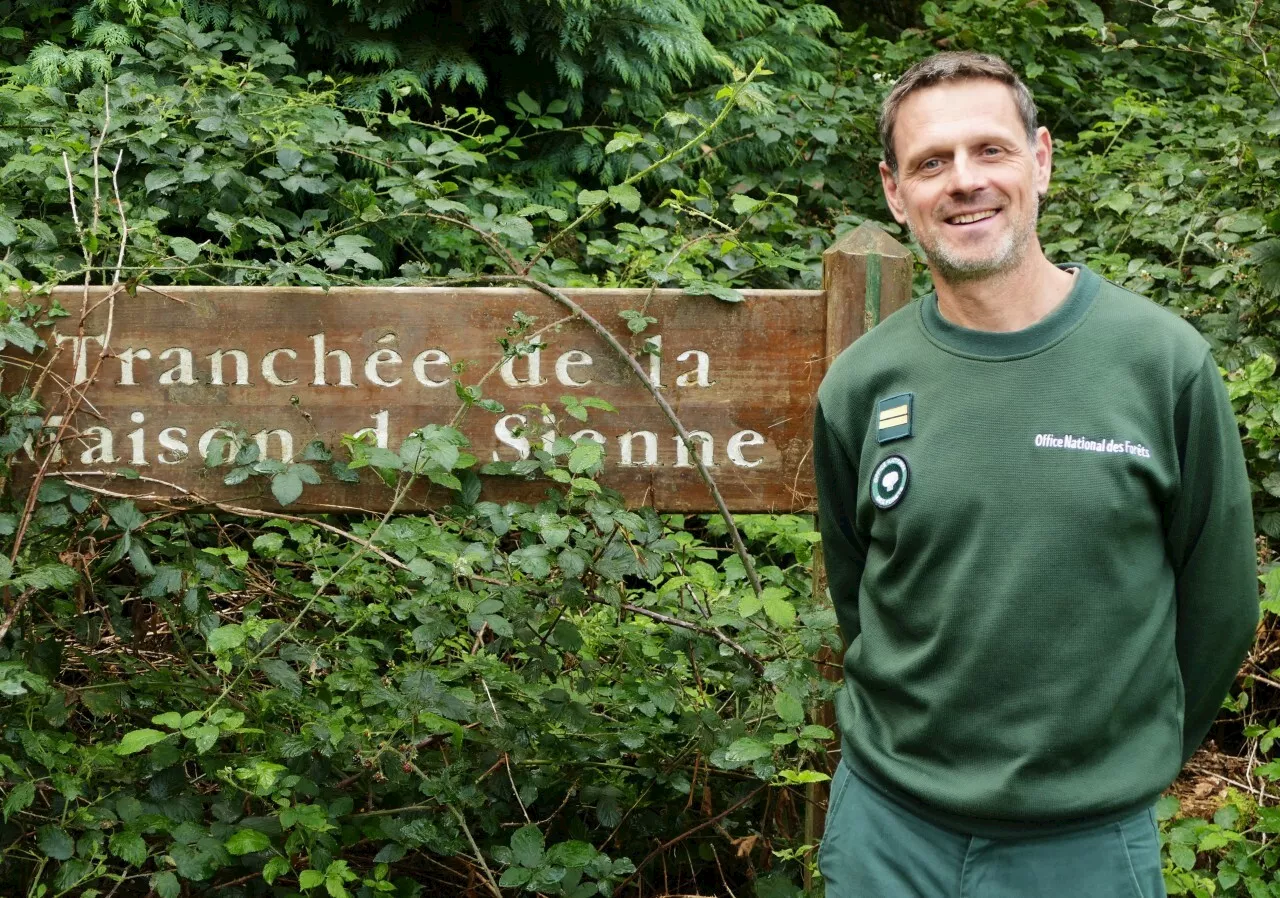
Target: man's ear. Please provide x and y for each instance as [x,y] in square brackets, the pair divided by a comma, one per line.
[891,195]
[1042,148]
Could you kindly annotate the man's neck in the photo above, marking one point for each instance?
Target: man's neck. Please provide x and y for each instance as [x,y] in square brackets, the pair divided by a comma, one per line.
[1010,301]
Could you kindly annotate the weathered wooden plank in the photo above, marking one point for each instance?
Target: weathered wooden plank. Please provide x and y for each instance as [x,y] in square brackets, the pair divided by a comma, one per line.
[290,364]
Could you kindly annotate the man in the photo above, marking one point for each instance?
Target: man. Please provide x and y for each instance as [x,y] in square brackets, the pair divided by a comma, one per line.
[1037,535]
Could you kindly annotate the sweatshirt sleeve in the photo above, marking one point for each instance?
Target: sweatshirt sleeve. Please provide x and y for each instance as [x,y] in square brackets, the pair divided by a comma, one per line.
[1211,546]
[843,552]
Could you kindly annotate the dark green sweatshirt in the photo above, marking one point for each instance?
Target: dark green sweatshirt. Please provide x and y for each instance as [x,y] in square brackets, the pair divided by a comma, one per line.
[1040,549]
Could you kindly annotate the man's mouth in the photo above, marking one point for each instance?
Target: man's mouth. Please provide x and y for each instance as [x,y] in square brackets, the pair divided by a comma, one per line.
[971,217]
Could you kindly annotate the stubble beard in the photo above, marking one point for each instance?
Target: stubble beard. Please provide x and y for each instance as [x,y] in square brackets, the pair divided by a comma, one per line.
[1007,256]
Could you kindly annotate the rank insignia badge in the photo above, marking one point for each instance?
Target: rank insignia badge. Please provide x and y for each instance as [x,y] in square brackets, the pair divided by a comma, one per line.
[889,482]
[894,420]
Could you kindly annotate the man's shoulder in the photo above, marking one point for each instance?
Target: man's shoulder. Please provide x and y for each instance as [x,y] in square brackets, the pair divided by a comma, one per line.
[1135,316]
[880,348]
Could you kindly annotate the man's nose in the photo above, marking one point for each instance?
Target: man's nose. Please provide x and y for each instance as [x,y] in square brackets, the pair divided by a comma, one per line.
[966,174]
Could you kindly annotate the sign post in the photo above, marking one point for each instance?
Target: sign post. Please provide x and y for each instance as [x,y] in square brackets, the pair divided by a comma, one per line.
[866,276]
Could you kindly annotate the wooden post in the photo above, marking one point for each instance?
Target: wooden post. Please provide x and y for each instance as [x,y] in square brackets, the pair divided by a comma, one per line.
[866,275]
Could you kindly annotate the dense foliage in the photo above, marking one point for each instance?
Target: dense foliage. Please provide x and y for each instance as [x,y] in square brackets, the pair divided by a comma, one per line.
[569,697]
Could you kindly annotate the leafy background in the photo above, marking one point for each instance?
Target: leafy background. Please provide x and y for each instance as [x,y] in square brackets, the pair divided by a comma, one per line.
[567,698]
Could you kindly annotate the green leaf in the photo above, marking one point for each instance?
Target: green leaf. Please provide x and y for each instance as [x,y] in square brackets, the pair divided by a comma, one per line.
[626,196]
[309,879]
[276,867]
[527,846]
[158,180]
[789,708]
[592,198]
[184,248]
[586,456]
[1090,12]
[129,847]
[528,103]
[514,877]
[286,487]
[247,841]
[571,854]
[136,741]
[747,749]
[226,638]
[741,203]
[19,798]
[779,610]
[165,885]
[55,843]
[126,516]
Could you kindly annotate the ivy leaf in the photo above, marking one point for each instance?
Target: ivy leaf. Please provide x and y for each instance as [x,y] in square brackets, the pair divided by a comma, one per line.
[136,741]
[55,843]
[247,841]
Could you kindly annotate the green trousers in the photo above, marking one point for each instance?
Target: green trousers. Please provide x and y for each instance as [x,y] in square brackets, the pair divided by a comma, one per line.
[874,848]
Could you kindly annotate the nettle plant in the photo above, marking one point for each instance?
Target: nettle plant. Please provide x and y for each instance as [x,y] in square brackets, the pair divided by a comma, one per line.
[559,696]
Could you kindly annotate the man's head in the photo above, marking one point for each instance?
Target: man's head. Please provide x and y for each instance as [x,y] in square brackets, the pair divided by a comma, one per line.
[965,163]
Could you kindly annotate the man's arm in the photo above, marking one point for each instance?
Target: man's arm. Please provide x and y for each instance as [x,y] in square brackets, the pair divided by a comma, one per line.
[1211,546]
[843,553]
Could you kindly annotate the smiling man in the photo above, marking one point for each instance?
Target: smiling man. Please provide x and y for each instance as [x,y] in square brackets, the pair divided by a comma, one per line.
[1037,535]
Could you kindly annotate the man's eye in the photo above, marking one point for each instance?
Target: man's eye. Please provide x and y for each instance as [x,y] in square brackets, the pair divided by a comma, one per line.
[930,164]
[991,151]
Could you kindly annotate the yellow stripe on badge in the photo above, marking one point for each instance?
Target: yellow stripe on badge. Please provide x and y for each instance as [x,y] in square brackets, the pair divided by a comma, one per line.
[894,417]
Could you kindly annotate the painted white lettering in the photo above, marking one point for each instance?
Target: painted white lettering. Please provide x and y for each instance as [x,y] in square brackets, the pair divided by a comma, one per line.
[286,443]
[46,438]
[80,351]
[503,431]
[706,449]
[321,358]
[380,429]
[572,359]
[736,443]
[589,434]
[126,365]
[533,360]
[184,372]
[173,440]
[228,440]
[655,359]
[136,440]
[699,376]
[101,452]
[381,357]
[216,366]
[430,357]
[626,445]
[269,368]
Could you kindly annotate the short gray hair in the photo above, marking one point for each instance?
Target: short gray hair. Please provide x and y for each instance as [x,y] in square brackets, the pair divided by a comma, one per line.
[946,67]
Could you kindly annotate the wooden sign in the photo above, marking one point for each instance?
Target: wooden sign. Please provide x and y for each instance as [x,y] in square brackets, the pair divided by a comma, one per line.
[188,368]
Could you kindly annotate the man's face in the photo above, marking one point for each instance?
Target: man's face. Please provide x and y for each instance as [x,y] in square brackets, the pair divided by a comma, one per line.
[968,184]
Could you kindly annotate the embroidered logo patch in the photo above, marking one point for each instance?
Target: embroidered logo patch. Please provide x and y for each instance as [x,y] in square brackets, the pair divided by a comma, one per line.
[889,481]
[894,421]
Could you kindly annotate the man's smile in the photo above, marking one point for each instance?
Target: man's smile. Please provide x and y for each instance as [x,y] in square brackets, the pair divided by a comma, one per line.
[972,217]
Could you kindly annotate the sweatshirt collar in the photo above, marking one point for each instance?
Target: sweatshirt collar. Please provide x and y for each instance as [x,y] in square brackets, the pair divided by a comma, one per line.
[1005,345]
